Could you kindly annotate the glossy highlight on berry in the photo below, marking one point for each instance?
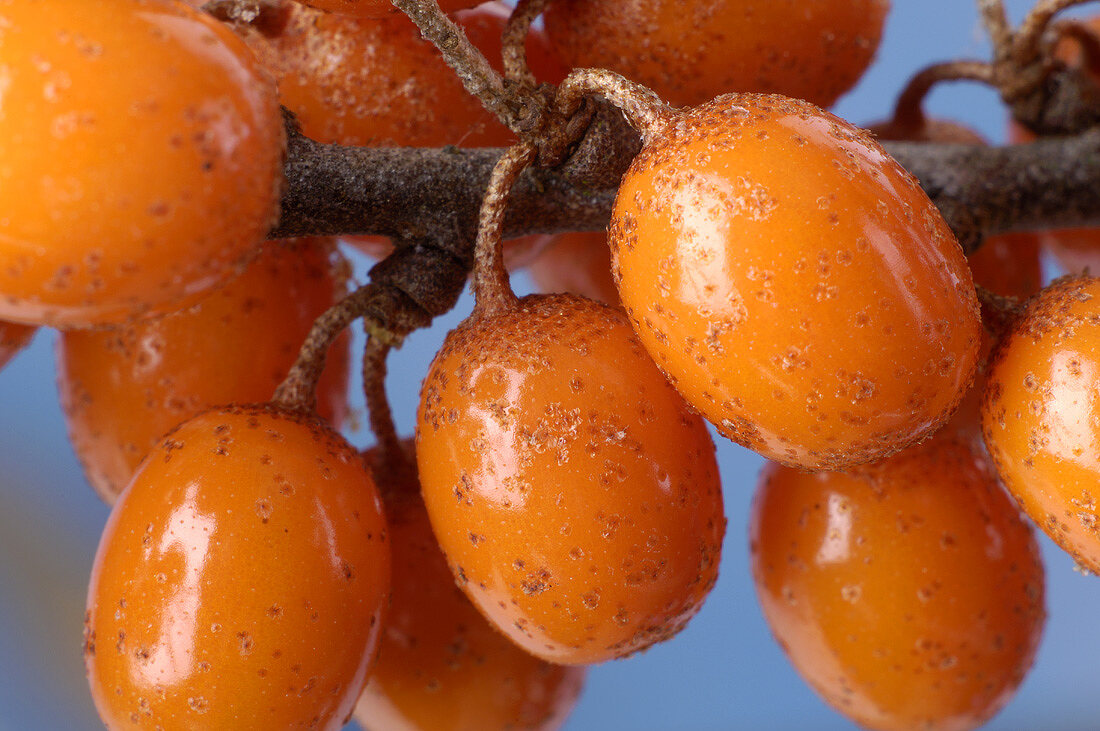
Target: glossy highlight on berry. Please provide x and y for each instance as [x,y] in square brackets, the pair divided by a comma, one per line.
[794,282]
[1039,415]
[908,594]
[241,580]
[575,495]
[121,198]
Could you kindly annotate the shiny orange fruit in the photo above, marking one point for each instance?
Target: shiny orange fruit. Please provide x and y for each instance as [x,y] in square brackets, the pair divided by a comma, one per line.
[124,197]
[377,82]
[908,594]
[794,282]
[241,580]
[123,389]
[690,51]
[1008,264]
[1039,418]
[575,495]
[441,666]
[578,263]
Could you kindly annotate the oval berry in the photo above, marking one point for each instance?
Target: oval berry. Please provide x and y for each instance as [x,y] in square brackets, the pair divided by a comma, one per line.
[823,317]
[123,389]
[441,666]
[1039,419]
[123,197]
[240,581]
[574,494]
[689,51]
[908,594]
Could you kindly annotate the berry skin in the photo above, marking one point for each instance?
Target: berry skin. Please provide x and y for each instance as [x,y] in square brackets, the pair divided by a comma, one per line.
[377,82]
[13,338]
[575,496]
[441,666]
[689,52]
[1039,418]
[124,197]
[908,594]
[123,389]
[578,263]
[794,282]
[240,581]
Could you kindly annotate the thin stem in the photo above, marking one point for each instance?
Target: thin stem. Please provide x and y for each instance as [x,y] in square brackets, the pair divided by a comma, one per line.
[298,391]
[908,112]
[492,290]
[995,20]
[1027,44]
[514,41]
[391,456]
[641,106]
[464,58]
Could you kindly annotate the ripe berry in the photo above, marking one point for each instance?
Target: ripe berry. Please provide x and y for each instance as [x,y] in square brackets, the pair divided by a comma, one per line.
[689,52]
[240,581]
[794,282]
[1039,418]
[378,82]
[574,494]
[908,594]
[123,389]
[127,196]
[441,666]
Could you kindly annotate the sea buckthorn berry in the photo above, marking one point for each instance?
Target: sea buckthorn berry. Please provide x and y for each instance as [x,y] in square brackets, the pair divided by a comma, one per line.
[574,494]
[378,8]
[13,338]
[118,198]
[1007,264]
[689,52]
[1039,418]
[908,594]
[578,263]
[240,581]
[123,389]
[378,82]
[823,318]
[441,666]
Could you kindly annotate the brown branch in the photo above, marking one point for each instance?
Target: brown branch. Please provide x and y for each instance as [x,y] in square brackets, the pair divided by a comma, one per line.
[434,195]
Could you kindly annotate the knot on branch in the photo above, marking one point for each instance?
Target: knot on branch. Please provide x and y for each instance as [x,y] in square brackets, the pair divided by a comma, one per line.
[1065,102]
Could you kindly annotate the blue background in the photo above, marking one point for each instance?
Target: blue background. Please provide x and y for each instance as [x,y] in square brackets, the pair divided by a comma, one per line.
[723,672]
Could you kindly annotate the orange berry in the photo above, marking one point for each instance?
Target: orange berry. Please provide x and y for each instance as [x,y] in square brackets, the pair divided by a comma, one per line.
[240,581]
[908,594]
[128,196]
[574,494]
[1039,418]
[689,52]
[13,338]
[378,8]
[578,263]
[377,82]
[123,389]
[1007,264]
[794,282]
[441,666]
